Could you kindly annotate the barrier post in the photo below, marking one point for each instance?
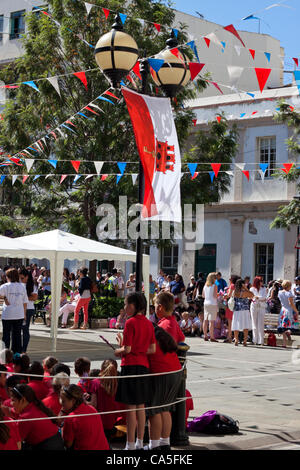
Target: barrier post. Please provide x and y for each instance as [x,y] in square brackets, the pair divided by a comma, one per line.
[179,435]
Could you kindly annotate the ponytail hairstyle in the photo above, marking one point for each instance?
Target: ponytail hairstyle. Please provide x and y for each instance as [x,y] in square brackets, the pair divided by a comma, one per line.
[139,301]
[29,283]
[73,392]
[24,391]
[22,361]
[4,429]
[109,368]
[84,271]
[166,342]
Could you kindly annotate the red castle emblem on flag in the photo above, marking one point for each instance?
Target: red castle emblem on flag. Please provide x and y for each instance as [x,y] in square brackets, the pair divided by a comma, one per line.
[165,157]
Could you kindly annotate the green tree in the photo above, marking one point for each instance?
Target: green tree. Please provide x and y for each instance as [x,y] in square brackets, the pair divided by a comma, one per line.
[289,214]
[51,50]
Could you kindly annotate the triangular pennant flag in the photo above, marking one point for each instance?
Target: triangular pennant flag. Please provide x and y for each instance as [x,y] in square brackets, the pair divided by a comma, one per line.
[262,77]
[76,165]
[247,174]
[104,177]
[14,179]
[71,123]
[88,7]
[104,99]
[219,119]
[241,166]
[268,56]
[60,131]
[217,87]
[54,135]
[242,115]
[297,79]
[194,122]
[136,70]
[175,31]
[231,29]
[106,12]
[214,39]
[157,26]
[54,83]
[296,60]
[25,178]
[122,17]
[224,45]
[254,112]
[195,69]
[192,167]
[191,44]
[264,167]
[234,73]
[207,41]
[212,175]
[262,174]
[76,178]
[48,176]
[122,167]
[32,85]
[230,173]
[62,178]
[129,77]
[88,177]
[118,178]
[36,177]
[238,49]
[29,162]
[81,114]
[250,17]
[156,64]
[195,175]
[91,110]
[69,128]
[82,78]
[216,168]
[98,166]
[96,107]
[109,93]
[251,94]
[134,177]
[252,52]
[53,163]
[287,167]
[2,178]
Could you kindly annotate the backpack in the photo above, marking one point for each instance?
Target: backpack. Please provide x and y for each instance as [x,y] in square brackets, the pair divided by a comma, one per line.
[213,423]
[272,340]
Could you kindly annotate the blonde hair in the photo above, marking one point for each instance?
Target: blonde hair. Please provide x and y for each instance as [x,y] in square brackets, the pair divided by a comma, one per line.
[211,278]
[109,368]
[286,285]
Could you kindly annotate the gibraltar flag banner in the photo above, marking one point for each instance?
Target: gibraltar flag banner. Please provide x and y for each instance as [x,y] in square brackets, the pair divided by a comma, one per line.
[157,143]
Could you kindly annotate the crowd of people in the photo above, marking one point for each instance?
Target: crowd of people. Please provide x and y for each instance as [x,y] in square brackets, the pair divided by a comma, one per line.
[41,409]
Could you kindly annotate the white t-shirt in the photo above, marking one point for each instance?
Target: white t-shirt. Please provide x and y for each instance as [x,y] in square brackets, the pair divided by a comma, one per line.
[209,298]
[130,287]
[15,292]
[30,304]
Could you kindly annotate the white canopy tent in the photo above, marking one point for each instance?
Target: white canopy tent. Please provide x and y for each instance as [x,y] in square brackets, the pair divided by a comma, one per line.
[57,246]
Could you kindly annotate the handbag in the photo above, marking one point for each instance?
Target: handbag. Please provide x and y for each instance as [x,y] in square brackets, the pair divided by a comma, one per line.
[213,423]
[231,303]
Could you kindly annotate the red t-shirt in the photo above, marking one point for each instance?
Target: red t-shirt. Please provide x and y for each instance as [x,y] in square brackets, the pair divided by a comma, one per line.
[14,437]
[160,362]
[85,385]
[9,367]
[139,334]
[47,379]
[34,432]
[105,402]
[3,394]
[171,326]
[40,388]
[52,402]
[85,432]
[189,405]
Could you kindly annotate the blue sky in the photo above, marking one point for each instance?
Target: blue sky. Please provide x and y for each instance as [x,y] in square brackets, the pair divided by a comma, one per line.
[280,22]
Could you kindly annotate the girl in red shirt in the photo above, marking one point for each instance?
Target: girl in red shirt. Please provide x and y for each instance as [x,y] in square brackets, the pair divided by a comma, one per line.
[38,434]
[52,401]
[37,383]
[3,392]
[9,434]
[81,433]
[138,341]
[164,388]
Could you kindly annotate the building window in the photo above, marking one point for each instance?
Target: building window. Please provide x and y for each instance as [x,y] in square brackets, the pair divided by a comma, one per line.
[264,261]
[1,27]
[169,259]
[267,154]
[17,24]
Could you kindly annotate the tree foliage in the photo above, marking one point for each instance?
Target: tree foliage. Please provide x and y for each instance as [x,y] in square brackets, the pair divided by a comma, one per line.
[290,214]
[51,50]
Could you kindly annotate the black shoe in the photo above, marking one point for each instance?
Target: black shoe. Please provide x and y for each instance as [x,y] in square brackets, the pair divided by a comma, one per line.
[164,448]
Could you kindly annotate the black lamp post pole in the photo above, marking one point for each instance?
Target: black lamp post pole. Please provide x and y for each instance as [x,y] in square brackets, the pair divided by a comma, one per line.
[144,70]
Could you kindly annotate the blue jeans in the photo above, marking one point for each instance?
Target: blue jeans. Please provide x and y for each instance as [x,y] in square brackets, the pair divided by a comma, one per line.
[25,330]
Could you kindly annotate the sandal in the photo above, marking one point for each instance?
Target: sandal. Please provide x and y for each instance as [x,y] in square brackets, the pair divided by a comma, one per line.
[245,345]
[236,343]
[205,338]
[63,326]
[84,326]
[74,327]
